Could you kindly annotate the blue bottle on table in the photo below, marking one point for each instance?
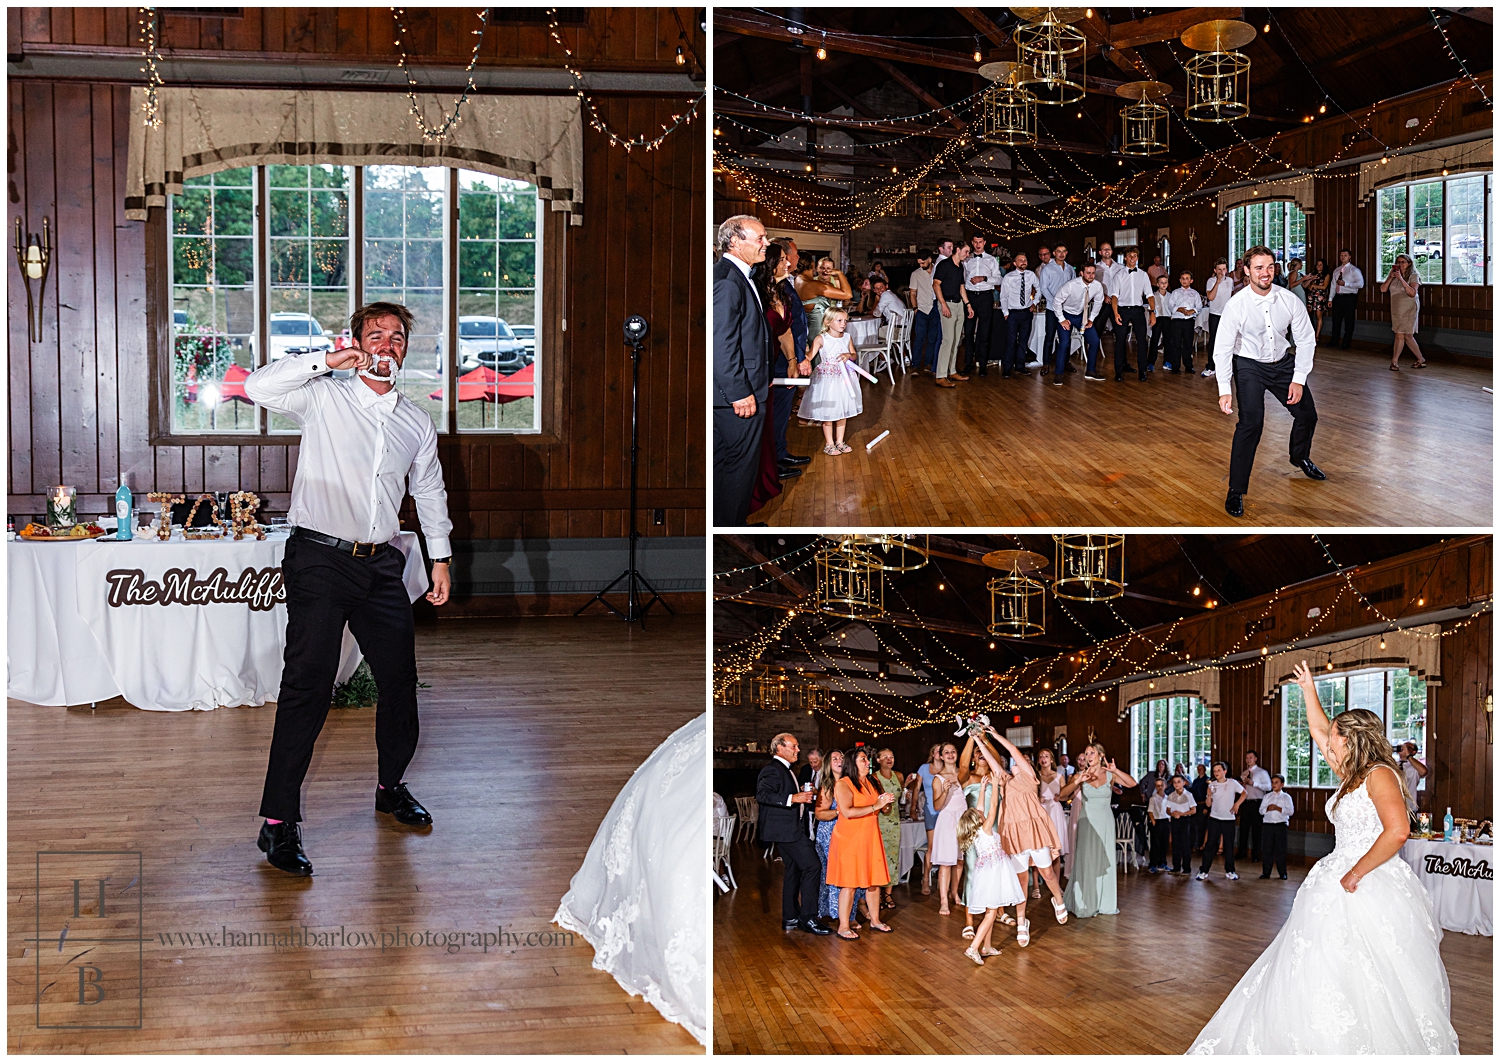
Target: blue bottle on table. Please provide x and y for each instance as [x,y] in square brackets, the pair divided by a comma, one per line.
[1448,834]
[123,511]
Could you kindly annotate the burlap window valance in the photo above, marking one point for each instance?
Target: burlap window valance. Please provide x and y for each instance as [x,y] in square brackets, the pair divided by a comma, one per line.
[1476,155]
[1298,189]
[538,139]
[1203,684]
[1407,648]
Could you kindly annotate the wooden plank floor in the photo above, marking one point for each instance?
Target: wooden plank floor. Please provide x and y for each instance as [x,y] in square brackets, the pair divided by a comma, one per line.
[1400,449]
[1144,981]
[522,753]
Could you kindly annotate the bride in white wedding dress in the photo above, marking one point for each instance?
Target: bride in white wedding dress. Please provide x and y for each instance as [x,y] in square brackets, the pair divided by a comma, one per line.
[1356,968]
[640,896]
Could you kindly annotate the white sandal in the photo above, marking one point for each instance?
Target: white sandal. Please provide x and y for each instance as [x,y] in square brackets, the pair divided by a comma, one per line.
[831,450]
[968,932]
[1023,933]
[971,953]
[1005,919]
[1061,910]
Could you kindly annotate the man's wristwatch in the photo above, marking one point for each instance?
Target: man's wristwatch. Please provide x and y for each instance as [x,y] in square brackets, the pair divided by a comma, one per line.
[442,560]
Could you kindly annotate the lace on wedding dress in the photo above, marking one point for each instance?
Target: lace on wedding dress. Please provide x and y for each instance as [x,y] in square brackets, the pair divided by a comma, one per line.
[639,896]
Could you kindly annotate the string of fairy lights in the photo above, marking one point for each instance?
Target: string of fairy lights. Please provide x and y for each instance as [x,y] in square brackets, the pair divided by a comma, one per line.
[597,121]
[1448,47]
[1136,655]
[149,24]
[765,182]
[450,121]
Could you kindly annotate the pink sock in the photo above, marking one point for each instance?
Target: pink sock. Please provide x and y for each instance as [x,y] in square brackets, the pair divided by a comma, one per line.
[273,822]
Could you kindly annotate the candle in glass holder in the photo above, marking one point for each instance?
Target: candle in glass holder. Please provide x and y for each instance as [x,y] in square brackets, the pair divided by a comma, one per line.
[1424,822]
[62,506]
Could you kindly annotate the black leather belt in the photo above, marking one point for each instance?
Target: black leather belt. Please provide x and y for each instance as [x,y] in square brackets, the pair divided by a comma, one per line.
[356,549]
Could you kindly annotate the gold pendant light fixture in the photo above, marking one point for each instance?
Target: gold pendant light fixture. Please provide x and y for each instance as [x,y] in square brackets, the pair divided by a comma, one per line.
[851,583]
[768,689]
[1007,114]
[1218,77]
[1089,567]
[1145,125]
[894,553]
[1053,53]
[930,203]
[1018,600]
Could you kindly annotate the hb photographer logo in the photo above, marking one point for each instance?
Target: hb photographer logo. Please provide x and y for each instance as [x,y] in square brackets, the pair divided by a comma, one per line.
[89,940]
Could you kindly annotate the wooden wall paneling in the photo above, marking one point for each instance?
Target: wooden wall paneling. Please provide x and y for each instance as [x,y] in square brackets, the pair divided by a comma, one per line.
[134,424]
[180,30]
[354,30]
[273,29]
[221,466]
[88,25]
[193,469]
[245,34]
[17,327]
[41,186]
[169,474]
[272,471]
[327,28]
[119,27]
[102,285]
[211,34]
[73,265]
[62,25]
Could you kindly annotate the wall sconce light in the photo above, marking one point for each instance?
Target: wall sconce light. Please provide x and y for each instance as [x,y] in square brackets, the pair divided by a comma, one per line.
[34,257]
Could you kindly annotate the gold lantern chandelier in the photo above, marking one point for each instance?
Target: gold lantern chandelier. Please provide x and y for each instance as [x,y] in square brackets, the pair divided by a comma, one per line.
[1048,47]
[1018,600]
[728,687]
[1007,113]
[851,583]
[894,553]
[769,689]
[1145,125]
[814,697]
[1089,567]
[930,203]
[1218,78]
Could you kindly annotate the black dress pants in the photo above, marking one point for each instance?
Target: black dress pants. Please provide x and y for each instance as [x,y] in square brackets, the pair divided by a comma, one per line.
[999,336]
[1273,844]
[1252,379]
[977,332]
[1182,844]
[325,589]
[1343,319]
[803,879]
[1018,339]
[1218,830]
[1161,832]
[1133,319]
[736,461]
[1248,844]
[781,413]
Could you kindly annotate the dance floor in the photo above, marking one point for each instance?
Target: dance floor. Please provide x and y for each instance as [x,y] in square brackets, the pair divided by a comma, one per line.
[1144,981]
[1409,448]
[522,752]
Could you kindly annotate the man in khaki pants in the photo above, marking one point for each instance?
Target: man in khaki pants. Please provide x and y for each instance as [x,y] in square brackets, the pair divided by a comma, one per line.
[952,301]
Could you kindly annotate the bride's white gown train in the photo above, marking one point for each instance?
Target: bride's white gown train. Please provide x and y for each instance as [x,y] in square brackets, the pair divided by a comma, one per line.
[1350,973]
[640,896]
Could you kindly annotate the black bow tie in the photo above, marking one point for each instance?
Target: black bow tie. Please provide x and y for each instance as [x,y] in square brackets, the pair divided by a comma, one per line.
[1133,269]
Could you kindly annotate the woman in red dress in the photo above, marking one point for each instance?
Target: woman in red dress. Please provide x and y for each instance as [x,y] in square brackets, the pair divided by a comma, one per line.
[767,277]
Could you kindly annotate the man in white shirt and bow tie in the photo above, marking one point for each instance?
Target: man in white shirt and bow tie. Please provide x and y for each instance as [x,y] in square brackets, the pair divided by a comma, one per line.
[1276,810]
[1076,304]
[1250,351]
[364,444]
[1344,289]
[1127,298]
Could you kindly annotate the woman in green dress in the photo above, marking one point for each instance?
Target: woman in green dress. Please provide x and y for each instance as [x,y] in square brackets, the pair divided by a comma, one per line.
[973,771]
[822,288]
[889,780]
[1091,885]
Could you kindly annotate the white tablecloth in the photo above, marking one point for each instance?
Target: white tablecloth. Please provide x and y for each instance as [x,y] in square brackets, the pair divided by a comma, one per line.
[69,645]
[1038,339]
[1460,880]
[863,331]
[913,840]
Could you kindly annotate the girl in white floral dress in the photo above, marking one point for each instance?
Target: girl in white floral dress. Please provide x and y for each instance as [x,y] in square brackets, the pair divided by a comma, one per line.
[833,396]
[1356,968]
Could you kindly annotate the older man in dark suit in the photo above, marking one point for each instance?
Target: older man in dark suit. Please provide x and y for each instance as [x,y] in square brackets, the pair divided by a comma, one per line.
[742,368]
[783,807]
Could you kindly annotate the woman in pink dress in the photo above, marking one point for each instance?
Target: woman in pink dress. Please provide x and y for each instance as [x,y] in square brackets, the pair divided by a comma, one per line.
[948,798]
[1050,780]
[1028,836]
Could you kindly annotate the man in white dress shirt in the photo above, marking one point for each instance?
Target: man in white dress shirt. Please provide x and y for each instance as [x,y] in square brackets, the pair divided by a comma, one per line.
[1161,826]
[1105,272]
[887,305]
[1257,784]
[1276,809]
[1344,290]
[1251,352]
[981,275]
[1182,810]
[1127,298]
[1050,277]
[1183,304]
[363,444]
[1018,296]
[1077,304]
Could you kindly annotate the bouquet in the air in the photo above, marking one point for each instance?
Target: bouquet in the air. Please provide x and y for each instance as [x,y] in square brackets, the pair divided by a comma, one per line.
[970,724]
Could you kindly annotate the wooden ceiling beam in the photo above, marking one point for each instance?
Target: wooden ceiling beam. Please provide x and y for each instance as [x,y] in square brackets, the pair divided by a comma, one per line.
[1167,27]
[922,94]
[746,545]
[751,24]
[980,21]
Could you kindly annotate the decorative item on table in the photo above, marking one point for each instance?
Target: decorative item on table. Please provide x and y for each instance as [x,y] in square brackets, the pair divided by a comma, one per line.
[166,500]
[1448,834]
[242,508]
[970,724]
[62,507]
[215,529]
[1424,823]
[124,508]
[77,533]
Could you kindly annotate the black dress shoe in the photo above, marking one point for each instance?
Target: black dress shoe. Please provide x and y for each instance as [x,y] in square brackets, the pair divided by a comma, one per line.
[817,929]
[1310,470]
[282,844]
[796,459]
[793,924]
[788,472]
[1142,377]
[398,802]
[1119,378]
[1234,505]
[1023,372]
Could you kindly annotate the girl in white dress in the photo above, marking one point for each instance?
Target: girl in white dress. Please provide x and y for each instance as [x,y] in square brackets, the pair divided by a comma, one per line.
[1356,968]
[994,884]
[833,396]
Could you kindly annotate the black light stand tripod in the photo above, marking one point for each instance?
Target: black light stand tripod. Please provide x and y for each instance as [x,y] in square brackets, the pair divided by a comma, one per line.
[636,328]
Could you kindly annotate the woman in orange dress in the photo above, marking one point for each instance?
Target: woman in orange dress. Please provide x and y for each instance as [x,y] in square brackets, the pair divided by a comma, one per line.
[856,857]
[1028,836]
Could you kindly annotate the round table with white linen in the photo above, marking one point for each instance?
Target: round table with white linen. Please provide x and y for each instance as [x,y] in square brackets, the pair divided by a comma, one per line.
[1460,878]
[913,841]
[863,331]
[170,626]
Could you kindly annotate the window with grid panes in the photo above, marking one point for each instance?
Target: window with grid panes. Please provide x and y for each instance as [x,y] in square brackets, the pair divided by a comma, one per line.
[1394,694]
[1443,224]
[1176,729]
